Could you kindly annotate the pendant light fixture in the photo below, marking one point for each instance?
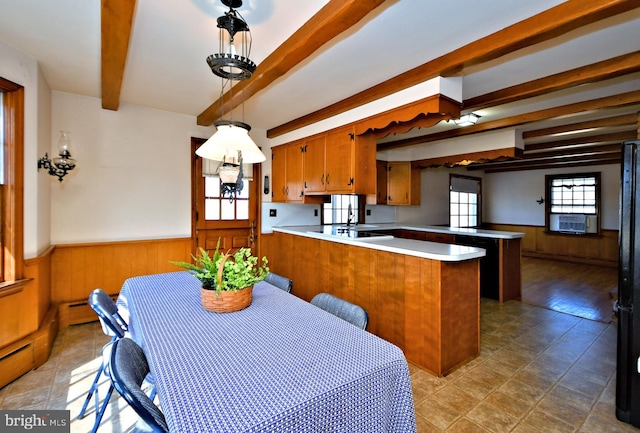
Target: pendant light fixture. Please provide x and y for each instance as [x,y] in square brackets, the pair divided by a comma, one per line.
[231,143]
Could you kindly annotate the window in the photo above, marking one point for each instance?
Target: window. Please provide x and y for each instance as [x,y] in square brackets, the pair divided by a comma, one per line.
[218,208]
[464,201]
[337,211]
[11,188]
[573,202]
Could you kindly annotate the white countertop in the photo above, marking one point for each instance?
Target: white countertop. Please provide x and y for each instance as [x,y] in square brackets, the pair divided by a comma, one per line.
[424,249]
[496,234]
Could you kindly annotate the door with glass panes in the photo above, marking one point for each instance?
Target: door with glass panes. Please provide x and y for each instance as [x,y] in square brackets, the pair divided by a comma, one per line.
[233,222]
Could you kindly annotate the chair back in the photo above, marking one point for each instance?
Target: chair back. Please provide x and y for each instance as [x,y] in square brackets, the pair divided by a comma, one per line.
[279,281]
[128,366]
[112,323]
[352,313]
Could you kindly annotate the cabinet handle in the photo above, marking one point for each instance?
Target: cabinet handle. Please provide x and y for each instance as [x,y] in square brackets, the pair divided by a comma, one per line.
[327,178]
[287,191]
[322,179]
[301,193]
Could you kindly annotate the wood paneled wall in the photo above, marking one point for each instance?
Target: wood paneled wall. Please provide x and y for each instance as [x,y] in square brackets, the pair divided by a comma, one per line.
[78,269]
[599,249]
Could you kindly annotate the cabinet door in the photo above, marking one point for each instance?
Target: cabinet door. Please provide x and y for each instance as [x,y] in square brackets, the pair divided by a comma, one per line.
[338,150]
[399,183]
[278,174]
[381,185]
[314,175]
[294,179]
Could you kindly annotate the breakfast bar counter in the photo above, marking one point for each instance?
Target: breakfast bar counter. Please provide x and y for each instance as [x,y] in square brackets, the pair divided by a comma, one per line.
[423,297]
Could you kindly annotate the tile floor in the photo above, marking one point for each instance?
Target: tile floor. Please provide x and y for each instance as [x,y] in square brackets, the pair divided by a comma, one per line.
[539,371]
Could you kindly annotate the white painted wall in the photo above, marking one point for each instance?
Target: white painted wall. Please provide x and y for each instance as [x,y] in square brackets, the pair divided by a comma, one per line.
[133,174]
[22,69]
[510,197]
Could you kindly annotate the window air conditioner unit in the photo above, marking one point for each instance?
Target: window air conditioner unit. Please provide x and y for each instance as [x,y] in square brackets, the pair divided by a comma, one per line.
[572,223]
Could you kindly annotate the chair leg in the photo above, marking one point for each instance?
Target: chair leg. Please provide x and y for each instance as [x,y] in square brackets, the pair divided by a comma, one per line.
[100,412]
[93,390]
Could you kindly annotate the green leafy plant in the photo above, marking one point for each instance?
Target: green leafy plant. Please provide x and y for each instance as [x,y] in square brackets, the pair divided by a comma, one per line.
[240,270]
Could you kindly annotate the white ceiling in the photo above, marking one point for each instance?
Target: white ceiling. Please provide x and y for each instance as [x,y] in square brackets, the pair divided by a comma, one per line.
[166,66]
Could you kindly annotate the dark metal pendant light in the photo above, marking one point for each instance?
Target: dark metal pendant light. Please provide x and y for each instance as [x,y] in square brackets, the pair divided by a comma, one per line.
[232,62]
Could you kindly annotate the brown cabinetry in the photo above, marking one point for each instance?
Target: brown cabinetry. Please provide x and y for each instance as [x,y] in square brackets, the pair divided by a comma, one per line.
[398,184]
[339,162]
[286,167]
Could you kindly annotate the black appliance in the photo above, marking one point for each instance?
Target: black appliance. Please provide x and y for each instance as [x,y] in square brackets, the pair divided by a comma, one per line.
[628,356]
[489,264]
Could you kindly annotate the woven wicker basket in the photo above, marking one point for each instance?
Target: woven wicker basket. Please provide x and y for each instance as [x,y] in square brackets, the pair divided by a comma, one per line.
[226,301]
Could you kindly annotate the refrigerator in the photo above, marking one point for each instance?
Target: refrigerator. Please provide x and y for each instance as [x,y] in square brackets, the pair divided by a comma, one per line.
[628,355]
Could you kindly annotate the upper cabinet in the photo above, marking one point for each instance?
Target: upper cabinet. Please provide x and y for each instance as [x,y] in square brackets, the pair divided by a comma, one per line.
[400,183]
[339,162]
[286,168]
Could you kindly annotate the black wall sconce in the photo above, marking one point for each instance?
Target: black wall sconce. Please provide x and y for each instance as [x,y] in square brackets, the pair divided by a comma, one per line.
[540,201]
[61,165]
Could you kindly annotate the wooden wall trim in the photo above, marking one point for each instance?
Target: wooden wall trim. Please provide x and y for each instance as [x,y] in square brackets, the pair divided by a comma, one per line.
[600,250]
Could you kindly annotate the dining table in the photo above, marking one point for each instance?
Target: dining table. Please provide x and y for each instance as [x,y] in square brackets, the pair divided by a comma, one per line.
[279,365]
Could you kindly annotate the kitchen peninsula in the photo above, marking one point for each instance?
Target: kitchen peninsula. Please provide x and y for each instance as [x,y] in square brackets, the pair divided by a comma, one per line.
[423,296]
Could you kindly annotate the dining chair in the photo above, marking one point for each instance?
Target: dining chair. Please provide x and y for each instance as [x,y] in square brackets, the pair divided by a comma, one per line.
[352,313]
[279,281]
[116,327]
[128,368]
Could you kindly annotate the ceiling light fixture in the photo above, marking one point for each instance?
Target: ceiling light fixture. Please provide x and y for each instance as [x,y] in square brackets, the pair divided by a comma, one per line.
[231,143]
[467,119]
[63,164]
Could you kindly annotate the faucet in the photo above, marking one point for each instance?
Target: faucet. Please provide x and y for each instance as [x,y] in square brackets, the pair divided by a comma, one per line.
[349,215]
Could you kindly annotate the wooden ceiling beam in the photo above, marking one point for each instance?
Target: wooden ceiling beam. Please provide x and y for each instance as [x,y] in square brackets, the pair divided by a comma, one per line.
[540,163]
[574,150]
[607,122]
[544,26]
[588,139]
[620,100]
[557,164]
[605,70]
[334,18]
[116,21]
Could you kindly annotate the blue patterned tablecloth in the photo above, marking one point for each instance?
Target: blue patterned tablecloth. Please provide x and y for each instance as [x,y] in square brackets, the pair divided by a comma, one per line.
[280,365]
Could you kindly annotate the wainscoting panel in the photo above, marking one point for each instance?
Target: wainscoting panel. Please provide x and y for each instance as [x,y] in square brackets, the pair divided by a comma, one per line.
[599,249]
[78,269]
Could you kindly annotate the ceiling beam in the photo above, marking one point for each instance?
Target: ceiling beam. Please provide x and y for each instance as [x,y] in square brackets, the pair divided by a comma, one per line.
[550,162]
[116,21]
[605,70]
[615,159]
[619,137]
[621,100]
[544,26]
[574,150]
[334,18]
[607,122]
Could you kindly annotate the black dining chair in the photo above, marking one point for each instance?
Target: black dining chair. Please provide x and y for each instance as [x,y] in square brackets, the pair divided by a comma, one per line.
[113,325]
[352,313]
[128,368]
[279,281]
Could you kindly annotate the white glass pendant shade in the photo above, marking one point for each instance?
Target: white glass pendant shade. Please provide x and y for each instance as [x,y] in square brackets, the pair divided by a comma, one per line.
[227,141]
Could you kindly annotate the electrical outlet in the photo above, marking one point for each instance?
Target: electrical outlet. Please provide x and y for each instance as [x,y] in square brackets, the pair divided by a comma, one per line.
[315,212]
[272,212]
[368,212]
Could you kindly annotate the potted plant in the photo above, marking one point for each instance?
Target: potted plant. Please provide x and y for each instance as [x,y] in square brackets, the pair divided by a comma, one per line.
[227,279]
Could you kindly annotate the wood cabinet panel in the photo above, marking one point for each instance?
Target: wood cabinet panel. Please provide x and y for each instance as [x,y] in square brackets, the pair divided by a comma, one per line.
[430,309]
[402,183]
[286,169]
[279,174]
[314,165]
